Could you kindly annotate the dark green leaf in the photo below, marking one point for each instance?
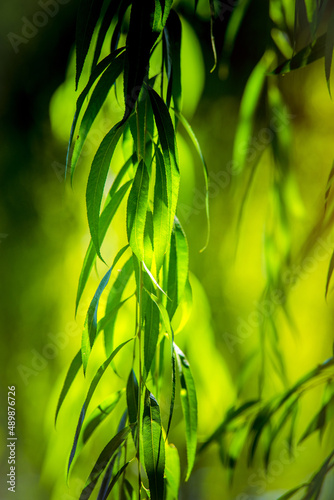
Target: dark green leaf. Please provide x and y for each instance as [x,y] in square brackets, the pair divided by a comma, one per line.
[89,396]
[189,406]
[151,335]
[137,209]
[168,145]
[71,374]
[173,32]
[154,447]
[292,492]
[88,15]
[139,43]
[99,414]
[97,99]
[96,181]
[132,397]
[116,478]
[306,56]
[329,50]
[172,399]
[89,333]
[107,453]
[105,24]
[321,419]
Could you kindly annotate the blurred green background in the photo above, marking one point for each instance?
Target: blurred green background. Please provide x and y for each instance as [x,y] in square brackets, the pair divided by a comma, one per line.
[44,236]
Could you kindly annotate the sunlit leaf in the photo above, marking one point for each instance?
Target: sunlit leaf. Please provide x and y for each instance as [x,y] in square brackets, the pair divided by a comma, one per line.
[168,145]
[154,447]
[189,406]
[132,397]
[70,376]
[116,478]
[151,335]
[97,179]
[88,15]
[172,472]
[178,268]
[137,209]
[97,99]
[100,413]
[160,212]
[306,56]
[107,18]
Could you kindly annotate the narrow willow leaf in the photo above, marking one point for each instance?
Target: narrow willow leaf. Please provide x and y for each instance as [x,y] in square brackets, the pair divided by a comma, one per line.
[100,413]
[260,422]
[173,33]
[329,273]
[168,145]
[137,209]
[189,406]
[107,453]
[248,107]
[148,240]
[114,303]
[106,218]
[97,179]
[178,268]
[105,24]
[195,142]
[321,419]
[160,213]
[127,492]
[88,15]
[142,128]
[161,13]
[173,393]
[151,335]
[139,42]
[306,56]
[233,26]
[154,447]
[172,472]
[89,396]
[292,492]
[212,36]
[90,330]
[81,99]
[329,50]
[102,495]
[132,397]
[329,186]
[97,99]
[116,478]
[71,374]
[315,485]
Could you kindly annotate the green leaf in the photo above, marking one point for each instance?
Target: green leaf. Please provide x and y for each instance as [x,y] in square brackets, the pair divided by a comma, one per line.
[114,303]
[189,406]
[106,218]
[89,333]
[88,15]
[213,42]
[315,485]
[154,447]
[107,18]
[321,419]
[71,374]
[306,56]
[151,335]
[292,492]
[168,145]
[132,397]
[81,99]
[136,210]
[97,179]
[173,33]
[115,479]
[139,42]
[142,128]
[329,50]
[89,396]
[172,472]
[248,107]
[160,213]
[100,414]
[97,99]
[107,453]
[178,268]
[195,142]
